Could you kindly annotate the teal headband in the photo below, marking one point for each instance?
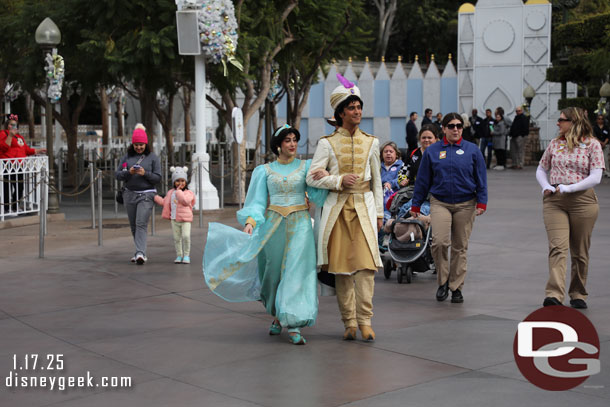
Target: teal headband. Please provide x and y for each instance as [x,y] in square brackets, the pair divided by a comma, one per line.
[278,131]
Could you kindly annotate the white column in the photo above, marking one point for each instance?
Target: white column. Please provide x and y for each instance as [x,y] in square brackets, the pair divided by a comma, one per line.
[57,143]
[43,127]
[159,136]
[110,125]
[209,193]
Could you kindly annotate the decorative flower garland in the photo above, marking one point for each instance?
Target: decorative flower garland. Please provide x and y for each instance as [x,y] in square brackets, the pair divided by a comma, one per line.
[217,30]
[601,107]
[275,86]
[55,75]
[11,92]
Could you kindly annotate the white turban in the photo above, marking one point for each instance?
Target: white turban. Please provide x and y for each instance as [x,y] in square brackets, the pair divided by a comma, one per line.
[342,92]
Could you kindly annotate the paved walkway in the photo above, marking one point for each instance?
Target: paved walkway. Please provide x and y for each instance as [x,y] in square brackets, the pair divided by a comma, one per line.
[182,346]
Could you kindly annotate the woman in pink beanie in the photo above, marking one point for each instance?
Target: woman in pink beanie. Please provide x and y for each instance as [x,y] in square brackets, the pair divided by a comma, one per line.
[140,170]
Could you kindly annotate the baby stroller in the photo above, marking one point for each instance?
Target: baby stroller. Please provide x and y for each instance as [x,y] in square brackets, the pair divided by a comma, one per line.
[408,248]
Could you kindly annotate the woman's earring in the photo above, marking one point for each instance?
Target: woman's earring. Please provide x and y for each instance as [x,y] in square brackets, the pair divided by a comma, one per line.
[279,150]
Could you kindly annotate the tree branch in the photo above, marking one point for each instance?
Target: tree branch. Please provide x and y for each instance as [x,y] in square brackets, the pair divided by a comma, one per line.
[213,102]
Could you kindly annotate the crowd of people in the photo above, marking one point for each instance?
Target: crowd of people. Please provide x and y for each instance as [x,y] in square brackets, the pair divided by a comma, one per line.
[279,256]
[491,133]
[350,178]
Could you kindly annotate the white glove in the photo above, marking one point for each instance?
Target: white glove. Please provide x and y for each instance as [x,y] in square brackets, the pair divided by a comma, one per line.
[543,180]
[594,178]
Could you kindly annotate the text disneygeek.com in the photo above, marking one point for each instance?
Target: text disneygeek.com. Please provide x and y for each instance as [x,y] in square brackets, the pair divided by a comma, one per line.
[27,369]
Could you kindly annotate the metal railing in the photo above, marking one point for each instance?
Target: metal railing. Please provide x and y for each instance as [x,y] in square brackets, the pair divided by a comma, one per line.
[21,179]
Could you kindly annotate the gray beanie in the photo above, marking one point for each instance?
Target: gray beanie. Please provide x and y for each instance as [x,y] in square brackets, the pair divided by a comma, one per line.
[179,173]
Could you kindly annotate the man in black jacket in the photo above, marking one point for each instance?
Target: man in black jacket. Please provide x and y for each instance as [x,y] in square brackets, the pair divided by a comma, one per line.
[411,133]
[476,122]
[518,132]
[486,142]
[427,117]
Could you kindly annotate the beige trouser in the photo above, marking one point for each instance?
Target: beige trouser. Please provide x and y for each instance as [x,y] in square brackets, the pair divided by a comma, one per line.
[569,221]
[606,151]
[451,227]
[355,297]
[182,238]
[517,150]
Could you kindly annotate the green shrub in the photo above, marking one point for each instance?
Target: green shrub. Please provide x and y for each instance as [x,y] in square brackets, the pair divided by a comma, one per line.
[589,104]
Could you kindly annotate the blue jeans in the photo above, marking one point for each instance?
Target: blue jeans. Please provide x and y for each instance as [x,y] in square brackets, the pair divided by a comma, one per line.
[487,145]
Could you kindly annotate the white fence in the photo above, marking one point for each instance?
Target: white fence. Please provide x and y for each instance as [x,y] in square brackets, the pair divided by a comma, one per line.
[21,185]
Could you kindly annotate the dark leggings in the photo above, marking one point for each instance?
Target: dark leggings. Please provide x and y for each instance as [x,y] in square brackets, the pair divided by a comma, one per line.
[501,157]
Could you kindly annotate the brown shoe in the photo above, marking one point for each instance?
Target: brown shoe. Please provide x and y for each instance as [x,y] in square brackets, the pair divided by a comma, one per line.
[349,334]
[367,333]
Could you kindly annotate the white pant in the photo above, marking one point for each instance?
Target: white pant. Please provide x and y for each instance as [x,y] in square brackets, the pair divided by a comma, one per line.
[182,238]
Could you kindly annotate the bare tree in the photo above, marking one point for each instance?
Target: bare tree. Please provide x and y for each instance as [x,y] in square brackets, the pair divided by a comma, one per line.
[387,12]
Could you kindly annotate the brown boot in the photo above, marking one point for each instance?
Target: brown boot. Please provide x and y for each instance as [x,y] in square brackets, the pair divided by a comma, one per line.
[367,333]
[349,334]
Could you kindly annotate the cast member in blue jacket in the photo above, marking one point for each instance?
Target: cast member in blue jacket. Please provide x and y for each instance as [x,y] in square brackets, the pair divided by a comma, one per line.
[453,172]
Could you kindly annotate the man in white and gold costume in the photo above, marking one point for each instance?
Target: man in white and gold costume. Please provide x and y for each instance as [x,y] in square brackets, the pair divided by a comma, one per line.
[353,210]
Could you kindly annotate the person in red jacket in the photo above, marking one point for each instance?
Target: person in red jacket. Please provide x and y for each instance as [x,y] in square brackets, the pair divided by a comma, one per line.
[13,145]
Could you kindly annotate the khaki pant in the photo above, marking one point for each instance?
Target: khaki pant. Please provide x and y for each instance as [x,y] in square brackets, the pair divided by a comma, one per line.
[569,221]
[182,238]
[355,297]
[451,227]
[517,151]
[606,151]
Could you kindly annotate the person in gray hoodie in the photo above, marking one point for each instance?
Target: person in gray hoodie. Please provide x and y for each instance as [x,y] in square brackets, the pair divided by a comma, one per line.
[140,170]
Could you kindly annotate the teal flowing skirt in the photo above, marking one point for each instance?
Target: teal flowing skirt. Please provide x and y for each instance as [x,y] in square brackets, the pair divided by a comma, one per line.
[275,265]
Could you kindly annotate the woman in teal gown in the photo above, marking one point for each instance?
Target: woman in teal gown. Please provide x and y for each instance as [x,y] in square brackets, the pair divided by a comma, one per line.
[274,259]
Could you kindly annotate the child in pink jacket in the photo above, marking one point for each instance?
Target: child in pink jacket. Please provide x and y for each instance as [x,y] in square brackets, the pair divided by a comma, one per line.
[178,207]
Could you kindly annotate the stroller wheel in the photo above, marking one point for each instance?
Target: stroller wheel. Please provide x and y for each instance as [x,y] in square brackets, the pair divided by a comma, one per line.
[387,268]
[409,274]
[404,273]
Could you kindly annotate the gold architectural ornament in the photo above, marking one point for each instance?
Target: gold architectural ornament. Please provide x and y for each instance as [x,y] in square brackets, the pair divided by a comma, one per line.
[432,57]
[416,58]
[530,2]
[382,59]
[349,60]
[366,59]
[466,8]
[334,61]
[450,56]
[400,58]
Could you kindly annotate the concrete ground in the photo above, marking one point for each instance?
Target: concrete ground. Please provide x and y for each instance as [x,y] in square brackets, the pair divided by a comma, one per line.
[159,325]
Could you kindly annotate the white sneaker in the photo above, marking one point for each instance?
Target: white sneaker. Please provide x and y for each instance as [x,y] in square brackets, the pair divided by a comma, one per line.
[140,259]
[133,259]
[499,168]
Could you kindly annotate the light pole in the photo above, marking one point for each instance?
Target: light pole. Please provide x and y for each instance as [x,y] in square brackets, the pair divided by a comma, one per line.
[528,94]
[48,37]
[187,25]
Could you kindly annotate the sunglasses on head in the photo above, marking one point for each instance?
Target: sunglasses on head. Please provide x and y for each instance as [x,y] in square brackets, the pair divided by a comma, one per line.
[452,126]
[561,119]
